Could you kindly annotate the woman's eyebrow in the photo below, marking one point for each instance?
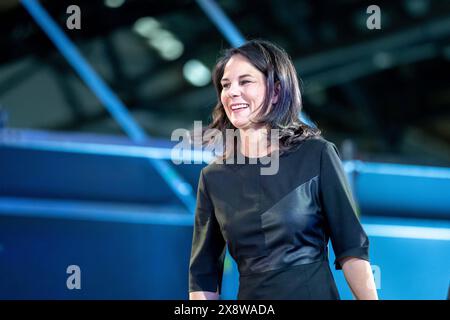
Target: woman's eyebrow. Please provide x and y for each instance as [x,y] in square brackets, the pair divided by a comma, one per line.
[241,76]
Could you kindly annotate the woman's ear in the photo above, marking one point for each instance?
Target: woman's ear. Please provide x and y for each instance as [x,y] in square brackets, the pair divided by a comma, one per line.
[276,92]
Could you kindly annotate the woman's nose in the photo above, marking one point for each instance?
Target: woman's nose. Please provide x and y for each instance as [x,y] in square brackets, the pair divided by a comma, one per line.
[234,91]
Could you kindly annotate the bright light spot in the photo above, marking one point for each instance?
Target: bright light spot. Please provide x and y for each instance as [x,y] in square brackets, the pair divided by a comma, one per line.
[159,39]
[163,41]
[146,27]
[171,49]
[114,3]
[196,73]
[167,45]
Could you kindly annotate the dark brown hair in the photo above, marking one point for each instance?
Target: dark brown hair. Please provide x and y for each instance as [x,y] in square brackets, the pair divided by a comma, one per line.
[279,72]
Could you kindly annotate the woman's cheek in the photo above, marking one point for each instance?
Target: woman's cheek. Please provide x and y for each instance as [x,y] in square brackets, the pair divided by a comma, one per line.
[224,101]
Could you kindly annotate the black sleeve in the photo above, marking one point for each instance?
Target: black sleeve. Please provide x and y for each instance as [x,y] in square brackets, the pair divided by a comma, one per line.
[208,246]
[347,235]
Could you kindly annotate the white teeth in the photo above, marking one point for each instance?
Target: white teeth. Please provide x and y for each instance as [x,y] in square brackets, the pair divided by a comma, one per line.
[239,106]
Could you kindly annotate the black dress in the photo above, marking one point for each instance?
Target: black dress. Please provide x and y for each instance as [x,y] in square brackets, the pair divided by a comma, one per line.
[277,227]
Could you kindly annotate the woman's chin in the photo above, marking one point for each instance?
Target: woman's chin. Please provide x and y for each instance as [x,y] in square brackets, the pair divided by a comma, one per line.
[241,124]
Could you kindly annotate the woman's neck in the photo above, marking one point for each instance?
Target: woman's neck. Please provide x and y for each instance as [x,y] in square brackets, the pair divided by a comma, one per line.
[254,143]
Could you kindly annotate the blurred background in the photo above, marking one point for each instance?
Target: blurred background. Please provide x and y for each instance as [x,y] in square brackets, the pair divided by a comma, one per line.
[90,95]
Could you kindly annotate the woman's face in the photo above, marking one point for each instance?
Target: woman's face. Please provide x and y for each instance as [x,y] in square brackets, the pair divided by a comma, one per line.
[243,91]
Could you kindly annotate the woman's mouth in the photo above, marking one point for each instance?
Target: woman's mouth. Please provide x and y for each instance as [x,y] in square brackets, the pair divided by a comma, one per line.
[240,106]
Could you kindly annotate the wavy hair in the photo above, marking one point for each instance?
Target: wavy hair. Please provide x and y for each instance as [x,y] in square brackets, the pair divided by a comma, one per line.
[279,73]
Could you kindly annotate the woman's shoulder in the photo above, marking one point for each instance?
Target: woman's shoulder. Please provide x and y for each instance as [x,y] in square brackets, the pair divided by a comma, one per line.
[215,165]
[309,150]
[313,145]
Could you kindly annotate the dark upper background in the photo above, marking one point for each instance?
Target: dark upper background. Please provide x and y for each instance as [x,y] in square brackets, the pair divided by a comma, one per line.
[387,91]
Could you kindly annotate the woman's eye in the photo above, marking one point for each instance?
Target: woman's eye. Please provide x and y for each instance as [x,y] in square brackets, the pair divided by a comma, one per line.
[228,85]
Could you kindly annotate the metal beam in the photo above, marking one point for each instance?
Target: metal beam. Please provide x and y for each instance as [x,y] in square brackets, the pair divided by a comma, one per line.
[344,64]
[222,22]
[119,112]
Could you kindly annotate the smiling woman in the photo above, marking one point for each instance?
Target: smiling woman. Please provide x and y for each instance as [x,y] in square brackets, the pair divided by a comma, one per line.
[258,90]
[276,227]
[243,91]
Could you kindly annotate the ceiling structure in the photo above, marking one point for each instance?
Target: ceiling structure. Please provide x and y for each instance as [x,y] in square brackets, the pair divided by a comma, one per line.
[387,91]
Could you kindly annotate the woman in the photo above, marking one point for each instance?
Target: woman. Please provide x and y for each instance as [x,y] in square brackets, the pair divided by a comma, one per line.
[276,226]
